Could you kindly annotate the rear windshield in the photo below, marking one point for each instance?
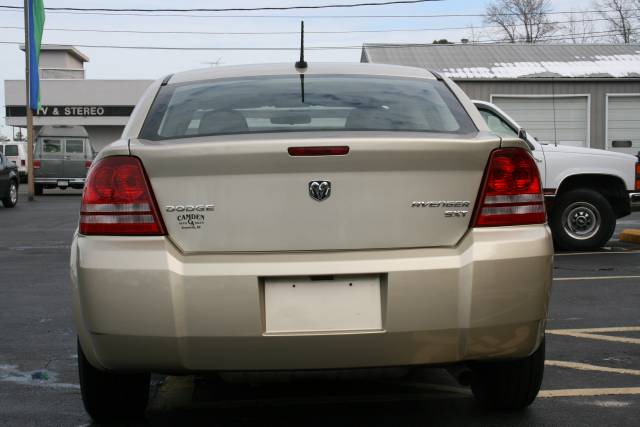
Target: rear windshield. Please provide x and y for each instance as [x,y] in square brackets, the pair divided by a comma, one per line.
[10,150]
[317,103]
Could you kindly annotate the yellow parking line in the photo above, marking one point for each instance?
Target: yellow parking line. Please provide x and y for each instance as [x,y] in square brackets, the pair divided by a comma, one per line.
[593,335]
[596,330]
[597,253]
[574,392]
[598,337]
[588,392]
[588,367]
[566,279]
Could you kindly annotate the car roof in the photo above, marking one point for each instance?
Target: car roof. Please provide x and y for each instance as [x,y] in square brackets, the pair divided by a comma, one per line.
[63,131]
[284,69]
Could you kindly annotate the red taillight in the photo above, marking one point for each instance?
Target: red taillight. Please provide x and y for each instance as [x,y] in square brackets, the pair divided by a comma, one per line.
[319,151]
[87,164]
[638,176]
[36,164]
[511,192]
[23,162]
[117,199]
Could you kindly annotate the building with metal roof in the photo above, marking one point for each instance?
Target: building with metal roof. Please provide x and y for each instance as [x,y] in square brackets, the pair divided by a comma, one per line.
[576,94]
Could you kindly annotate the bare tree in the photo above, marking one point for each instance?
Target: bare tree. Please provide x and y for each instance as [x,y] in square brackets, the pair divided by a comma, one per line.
[521,20]
[19,136]
[477,34]
[620,16]
[579,27]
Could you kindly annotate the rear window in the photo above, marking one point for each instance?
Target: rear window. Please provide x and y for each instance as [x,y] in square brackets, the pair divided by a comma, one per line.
[11,150]
[497,125]
[51,146]
[74,146]
[317,103]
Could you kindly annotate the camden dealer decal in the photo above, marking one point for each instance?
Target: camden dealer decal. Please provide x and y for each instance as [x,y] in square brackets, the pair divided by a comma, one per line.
[191,221]
[190,217]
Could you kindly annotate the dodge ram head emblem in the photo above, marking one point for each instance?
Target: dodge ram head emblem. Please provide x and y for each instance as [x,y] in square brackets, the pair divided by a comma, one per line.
[319,190]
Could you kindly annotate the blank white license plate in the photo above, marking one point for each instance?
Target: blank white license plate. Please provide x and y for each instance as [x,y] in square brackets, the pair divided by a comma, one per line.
[305,305]
[63,183]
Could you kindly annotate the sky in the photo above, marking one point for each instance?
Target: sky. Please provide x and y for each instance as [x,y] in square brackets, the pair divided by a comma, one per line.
[151,64]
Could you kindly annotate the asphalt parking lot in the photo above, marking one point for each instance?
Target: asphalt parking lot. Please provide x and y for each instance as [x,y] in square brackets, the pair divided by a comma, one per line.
[592,375]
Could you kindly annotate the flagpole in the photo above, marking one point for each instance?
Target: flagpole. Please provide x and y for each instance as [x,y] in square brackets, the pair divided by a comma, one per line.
[27,53]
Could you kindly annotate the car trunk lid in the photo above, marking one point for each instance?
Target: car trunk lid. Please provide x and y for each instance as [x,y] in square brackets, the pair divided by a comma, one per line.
[247,193]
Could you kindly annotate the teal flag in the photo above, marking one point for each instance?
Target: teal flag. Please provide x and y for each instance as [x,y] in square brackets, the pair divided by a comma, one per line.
[36,28]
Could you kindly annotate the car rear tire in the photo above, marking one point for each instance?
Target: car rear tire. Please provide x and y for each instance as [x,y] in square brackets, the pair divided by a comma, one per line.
[508,385]
[582,220]
[38,189]
[11,199]
[109,396]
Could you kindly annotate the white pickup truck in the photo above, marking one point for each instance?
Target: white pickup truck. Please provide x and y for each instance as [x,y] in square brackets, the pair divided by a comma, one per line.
[585,189]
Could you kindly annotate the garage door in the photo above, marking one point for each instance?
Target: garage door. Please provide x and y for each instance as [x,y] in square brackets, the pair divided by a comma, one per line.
[536,116]
[623,124]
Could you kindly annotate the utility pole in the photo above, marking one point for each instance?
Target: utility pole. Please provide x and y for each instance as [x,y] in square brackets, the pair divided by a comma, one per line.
[27,56]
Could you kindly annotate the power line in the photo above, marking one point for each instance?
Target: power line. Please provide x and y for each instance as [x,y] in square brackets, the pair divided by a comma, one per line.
[560,37]
[395,30]
[452,15]
[232,9]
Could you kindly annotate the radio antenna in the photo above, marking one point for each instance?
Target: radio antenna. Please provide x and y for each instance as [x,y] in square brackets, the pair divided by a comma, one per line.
[301,63]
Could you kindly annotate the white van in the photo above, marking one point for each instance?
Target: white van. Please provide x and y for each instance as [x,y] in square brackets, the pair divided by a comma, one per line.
[16,151]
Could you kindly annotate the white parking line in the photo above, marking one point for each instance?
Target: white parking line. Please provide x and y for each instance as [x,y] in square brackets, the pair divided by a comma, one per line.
[567,279]
[588,367]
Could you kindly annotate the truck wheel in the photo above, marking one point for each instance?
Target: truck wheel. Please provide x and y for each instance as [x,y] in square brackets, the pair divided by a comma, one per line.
[38,189]
[12,196]
[108,396]
[509,385]
[581,220]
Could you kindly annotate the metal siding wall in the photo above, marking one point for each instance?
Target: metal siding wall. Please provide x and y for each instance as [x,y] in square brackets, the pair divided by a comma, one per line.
[482,90]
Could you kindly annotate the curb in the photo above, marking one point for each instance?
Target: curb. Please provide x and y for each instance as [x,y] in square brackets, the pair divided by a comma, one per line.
[630,235]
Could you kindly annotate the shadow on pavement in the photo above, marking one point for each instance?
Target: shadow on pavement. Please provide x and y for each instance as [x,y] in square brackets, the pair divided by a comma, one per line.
[329,403]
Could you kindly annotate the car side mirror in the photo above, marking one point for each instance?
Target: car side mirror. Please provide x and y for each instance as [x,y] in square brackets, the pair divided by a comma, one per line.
[522,134]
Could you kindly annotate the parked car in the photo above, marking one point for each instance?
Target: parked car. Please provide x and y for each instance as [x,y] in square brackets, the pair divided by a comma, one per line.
[62,157]
[267,218]
[9,181]
[585,189]
[16,151]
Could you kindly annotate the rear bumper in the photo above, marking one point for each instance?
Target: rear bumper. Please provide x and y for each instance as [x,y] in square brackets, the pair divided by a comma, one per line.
[54,181]
[139,304]
[634,201]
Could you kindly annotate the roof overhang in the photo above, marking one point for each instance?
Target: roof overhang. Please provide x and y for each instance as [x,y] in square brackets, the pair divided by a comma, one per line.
[63,48]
